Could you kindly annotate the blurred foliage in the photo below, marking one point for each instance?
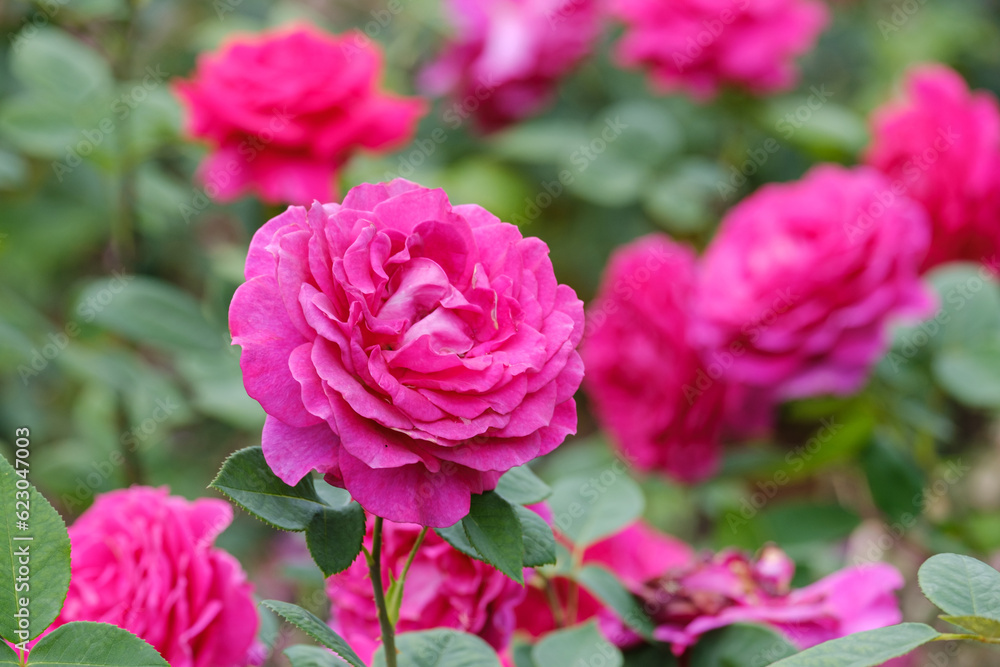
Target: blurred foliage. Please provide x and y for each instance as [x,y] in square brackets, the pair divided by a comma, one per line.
[116,271]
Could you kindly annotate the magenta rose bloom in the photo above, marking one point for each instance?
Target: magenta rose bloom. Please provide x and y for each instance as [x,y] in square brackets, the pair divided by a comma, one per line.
[144,560]
[714,591]
[444,589]
[509,55]
[701,45]
[664,408]
[941,146]
[283,111]
[410,350]
[802,280]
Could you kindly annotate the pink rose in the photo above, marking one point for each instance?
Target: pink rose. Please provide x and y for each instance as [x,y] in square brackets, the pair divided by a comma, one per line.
[635,555]
[144,560]
[410,350]
[803,278]
[729,587]
[283,111]
[701,45]
[664,408]
[444,589]
[942,146]
[509,55]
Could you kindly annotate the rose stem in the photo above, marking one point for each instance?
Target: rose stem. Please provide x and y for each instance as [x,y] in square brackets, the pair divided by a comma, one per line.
[554,604]
[375,567]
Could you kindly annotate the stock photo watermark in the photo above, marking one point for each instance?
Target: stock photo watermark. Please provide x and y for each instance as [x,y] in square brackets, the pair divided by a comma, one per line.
[20,546]
[581,159]
[39,358]
[122,108]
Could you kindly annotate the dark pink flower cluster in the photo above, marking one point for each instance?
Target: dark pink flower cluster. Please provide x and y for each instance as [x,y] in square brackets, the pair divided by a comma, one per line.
[941,146]
[688,594]
[701,45]
[792,298]
[715,590]
[649,385]
[283,111]
[508,55]
[144,560]
[801,280]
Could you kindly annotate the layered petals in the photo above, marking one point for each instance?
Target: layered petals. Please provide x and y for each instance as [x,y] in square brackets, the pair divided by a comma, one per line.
[803,279]
[701,45]
[282,130]
[941,146]
[410,351]
[145,561]
[664,407]
[509,55]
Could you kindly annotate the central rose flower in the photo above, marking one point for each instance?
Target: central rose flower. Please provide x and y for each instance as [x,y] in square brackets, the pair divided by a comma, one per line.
[410,350]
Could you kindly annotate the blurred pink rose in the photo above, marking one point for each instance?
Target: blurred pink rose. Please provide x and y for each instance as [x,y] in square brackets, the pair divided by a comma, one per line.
[411,350]
[635,555]
[144,560]
[941,146]
[508,56]
[444,589]
[729,587]
[664,408]
[800,283]
[284,110]
[701,45]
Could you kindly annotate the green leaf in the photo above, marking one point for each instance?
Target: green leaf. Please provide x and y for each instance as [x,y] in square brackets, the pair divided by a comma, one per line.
[741,645]
[246,479]
[302,655]
[788,524]
[540,141]
[520,486]
[580,645]
[971,374]
[649,655]
[612,180]
[394,598]
[586,509]
[148,311]
[894,479]
[440,648]
[47,555]
[539,541]
[520,653]
[495,532]
[86,644]
[864,649]
[981,625]
[216,383]
[686,199]
[315,628]
[648,132]
[969,315]
[961,586]
[604,586]
[8,657]
[334,537]
[13,170]
[831,131]
[38,128]
[456,537]
[61,67]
